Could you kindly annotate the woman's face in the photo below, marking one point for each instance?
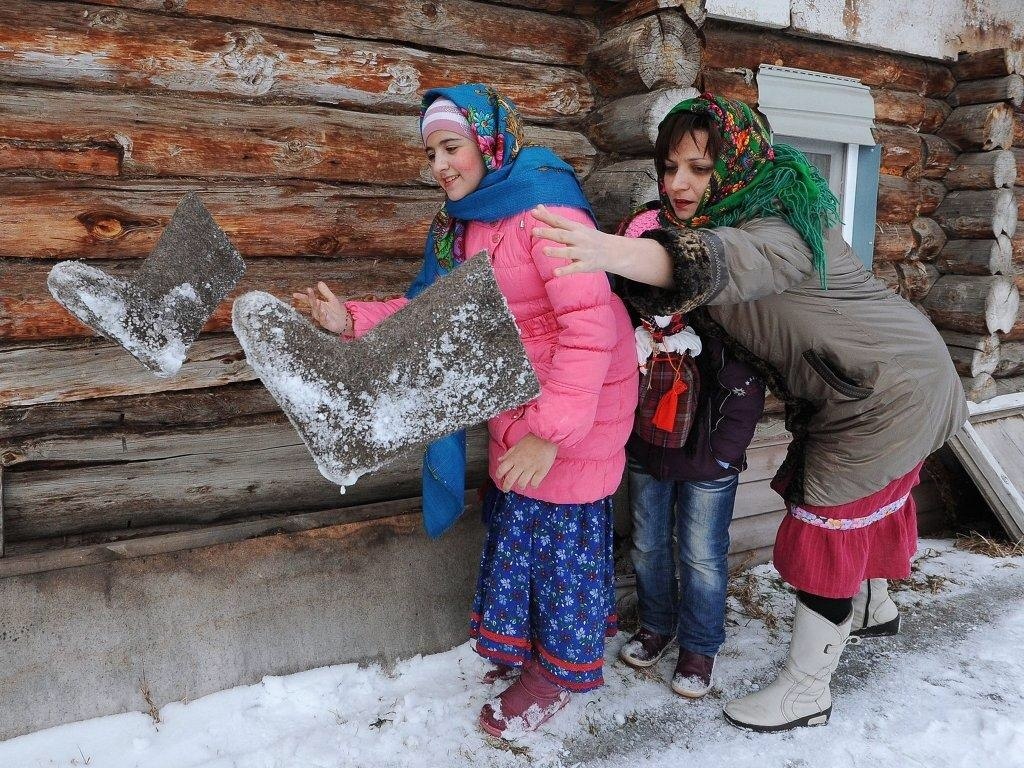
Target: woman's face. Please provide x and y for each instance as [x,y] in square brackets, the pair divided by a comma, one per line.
[687,173]
[455,163]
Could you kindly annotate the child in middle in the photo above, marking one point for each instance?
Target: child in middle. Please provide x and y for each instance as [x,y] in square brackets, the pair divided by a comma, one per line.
[545,593]
[682,487]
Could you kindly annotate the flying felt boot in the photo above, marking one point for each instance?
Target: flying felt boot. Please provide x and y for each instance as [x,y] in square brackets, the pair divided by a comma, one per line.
[449,359]
[159,311]
[874,612]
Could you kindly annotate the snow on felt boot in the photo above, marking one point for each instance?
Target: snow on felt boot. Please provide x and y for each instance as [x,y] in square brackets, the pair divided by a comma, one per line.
[524,706]
[157,312]
[874,612]
[800,695]
[448,360]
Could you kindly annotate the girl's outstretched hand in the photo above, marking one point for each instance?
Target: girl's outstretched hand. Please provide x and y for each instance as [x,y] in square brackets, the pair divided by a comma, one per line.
[526,463]
[326,309]
[587,249]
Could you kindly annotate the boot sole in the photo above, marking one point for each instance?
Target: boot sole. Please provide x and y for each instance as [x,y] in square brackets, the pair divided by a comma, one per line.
[888,629]
[803,722]
[629,662]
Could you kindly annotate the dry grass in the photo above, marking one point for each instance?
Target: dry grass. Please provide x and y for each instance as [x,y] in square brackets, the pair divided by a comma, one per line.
[507,746]
[977,544]
[152,709]
[752,602]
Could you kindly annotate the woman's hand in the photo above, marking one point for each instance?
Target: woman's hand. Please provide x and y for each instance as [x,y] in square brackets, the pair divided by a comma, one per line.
[326,309]
[526,463]
[588,249]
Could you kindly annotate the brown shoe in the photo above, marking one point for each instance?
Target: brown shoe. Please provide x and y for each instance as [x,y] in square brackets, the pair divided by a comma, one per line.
[692,677]
[644,648]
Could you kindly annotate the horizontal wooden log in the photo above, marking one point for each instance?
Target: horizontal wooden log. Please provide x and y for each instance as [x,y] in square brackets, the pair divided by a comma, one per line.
[108,219]
[979,127]
[1016,332]
[224,139]
[894,242]
[82,46]
[735,46]
[916,279]
[902,151]
[1012,385]
[994,62]
[939,154]
[978,213]
[735,84]
[1009,88]
[1018,158]
[28,311]
[629,126]
[977,257]
[121,480]
[469,27]
[617,190]
[55,159]
[1011,360]
[902,200]
[930,238]
[886,272]
[581,8]
[203,408]
[50,372]
[909,109]
[659,51]
[1018,197]
[982,170]
[617,14]
[979,305]
[979,388]
[972,354]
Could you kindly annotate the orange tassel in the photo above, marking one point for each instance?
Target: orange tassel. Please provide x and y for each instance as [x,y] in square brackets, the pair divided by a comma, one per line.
[665,414]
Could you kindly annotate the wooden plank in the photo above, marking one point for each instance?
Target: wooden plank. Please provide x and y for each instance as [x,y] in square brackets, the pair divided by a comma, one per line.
[730,46]
[65,159]
[121,480]
[29,312]
[470,27]
[756,498]
[221,139]
[82,46]
[115,220]
[56,371]
[230,403]
[755,531]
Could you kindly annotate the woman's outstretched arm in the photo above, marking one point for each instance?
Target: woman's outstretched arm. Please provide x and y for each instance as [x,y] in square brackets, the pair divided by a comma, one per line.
[637,259]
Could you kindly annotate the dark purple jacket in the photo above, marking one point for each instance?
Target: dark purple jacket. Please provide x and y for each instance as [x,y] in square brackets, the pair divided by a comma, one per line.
[729,406]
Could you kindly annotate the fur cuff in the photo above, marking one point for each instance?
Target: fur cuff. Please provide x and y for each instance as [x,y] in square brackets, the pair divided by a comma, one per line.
[698,269]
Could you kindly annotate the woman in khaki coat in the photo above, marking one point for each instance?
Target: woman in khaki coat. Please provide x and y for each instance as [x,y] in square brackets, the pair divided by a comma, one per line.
[868,385]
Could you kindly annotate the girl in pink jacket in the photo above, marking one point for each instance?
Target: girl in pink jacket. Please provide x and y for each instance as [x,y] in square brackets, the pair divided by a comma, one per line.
[545,592]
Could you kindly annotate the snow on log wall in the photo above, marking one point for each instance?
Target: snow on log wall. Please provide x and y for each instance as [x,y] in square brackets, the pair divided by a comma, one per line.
[296,122]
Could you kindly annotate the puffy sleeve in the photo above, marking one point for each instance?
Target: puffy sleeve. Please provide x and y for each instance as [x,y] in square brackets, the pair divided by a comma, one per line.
[725,265]
[368,314]
[567,406]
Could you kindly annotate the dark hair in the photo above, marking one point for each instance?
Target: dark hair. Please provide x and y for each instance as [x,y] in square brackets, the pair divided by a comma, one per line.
[685,124]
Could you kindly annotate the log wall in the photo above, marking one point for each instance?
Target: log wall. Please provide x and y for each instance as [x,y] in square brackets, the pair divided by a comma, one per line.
[296,122]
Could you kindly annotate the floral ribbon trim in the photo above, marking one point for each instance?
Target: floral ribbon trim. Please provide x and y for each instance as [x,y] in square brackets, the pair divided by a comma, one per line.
[836,524]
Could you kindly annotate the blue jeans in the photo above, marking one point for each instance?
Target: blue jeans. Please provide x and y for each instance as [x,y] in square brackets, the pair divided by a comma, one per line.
[692,605]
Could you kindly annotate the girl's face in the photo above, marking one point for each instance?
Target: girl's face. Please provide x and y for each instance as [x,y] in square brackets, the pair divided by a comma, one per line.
[455,163]
[687,173]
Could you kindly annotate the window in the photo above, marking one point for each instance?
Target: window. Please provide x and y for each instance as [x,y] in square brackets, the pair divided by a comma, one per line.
[829,118]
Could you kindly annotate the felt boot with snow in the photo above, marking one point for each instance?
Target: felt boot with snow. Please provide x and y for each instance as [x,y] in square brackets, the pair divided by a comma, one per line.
[157,312]
[448,360]
[874,612]
[524,706]
[800,695]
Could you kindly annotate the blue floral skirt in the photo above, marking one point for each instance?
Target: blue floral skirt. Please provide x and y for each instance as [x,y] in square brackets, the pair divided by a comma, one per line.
[546,587]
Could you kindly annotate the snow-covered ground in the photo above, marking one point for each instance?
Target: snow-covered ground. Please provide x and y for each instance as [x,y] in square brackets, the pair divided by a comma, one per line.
[948,692]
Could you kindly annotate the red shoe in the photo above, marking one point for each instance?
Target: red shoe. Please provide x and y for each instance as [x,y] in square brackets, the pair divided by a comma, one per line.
[500,672]
[524,706]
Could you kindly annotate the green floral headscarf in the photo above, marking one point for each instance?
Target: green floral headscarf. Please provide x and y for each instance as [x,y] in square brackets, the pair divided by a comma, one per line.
[754,178]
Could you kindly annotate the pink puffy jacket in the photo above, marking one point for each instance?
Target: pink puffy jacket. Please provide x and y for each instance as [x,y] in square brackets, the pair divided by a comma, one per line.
[579,339]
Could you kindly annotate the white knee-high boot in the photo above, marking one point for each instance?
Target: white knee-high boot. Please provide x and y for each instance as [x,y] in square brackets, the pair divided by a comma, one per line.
[874,612]
[800,695]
